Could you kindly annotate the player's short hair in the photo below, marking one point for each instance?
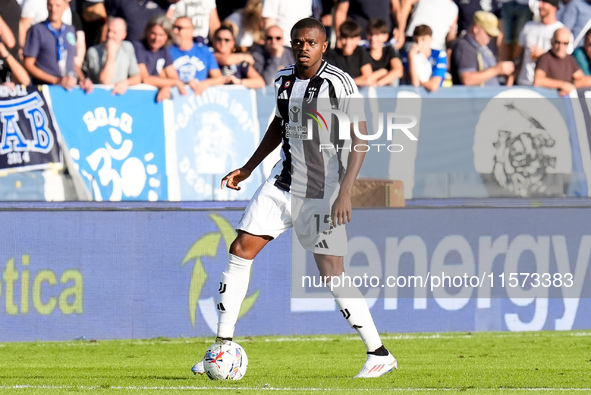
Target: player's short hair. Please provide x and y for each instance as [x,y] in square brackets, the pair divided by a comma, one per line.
[308,23]
[350,29]
[377,26]
[587,34]
[420,31]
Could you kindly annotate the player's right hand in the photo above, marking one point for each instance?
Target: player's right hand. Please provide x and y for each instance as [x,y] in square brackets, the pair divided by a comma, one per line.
[233,178]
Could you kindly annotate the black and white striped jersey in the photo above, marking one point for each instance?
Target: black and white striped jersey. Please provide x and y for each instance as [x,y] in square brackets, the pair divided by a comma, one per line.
[307,125]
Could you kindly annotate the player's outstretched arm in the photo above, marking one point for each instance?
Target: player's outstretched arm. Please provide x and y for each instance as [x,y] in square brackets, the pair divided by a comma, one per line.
[271,140]
[341,209]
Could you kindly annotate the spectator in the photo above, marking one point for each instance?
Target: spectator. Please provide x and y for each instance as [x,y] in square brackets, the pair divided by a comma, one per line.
[235,67]
[514,15]
[6,34]
[362,11]
[467,9]
[113,62]
[35,11]
[203,14]
[440,15]
[324,14]
[472,62]
[136,14]
[583,54]
[249,21]
[154,60]
[384,59]
[575,15]
[94,17]
[11,71]
[558,70]
[10,13]
[535,38]
[426,66]
[285,14]
[50,49]
[194,62]
[273,56]
[349,56]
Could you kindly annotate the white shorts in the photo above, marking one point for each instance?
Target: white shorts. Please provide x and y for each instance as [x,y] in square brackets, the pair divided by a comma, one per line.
[271,211]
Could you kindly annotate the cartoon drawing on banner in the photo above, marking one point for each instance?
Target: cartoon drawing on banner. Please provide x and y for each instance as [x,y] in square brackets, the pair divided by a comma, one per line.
[521,146]
[213,145]
[114,165]
[213,135]
[207,247]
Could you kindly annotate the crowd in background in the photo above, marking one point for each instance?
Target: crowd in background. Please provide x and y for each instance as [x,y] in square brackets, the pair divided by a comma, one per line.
[198,43]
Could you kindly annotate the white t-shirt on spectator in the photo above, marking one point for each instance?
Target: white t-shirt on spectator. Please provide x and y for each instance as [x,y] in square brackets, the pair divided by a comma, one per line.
[286,13]
[37,10]
[439,15]
[536,33]
[199,12]
[423,67]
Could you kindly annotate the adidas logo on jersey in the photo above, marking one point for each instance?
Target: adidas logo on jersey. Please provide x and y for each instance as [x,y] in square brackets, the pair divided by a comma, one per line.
[283,96]
[322,244]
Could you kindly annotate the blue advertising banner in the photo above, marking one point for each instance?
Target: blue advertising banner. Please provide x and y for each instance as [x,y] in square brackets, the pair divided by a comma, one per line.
[28,135]
[145,273]
[213,134]
[117,142]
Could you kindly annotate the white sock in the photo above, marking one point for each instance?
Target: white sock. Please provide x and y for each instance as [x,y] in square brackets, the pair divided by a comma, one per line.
[232,290]
[354,308]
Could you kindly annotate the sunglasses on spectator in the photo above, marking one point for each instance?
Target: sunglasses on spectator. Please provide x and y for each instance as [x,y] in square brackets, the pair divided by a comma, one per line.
[176,27]
[560,42]
[276,38]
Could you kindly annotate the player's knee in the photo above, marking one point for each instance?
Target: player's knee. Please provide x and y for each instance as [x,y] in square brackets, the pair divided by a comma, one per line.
[240,249]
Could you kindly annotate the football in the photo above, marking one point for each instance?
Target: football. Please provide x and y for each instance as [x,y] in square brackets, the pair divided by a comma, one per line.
[225,361]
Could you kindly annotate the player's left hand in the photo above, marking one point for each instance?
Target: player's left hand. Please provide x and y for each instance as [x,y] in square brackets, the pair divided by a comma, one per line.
[233,178]
[341,209]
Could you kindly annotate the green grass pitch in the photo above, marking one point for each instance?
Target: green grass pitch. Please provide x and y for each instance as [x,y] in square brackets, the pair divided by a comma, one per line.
[542,362]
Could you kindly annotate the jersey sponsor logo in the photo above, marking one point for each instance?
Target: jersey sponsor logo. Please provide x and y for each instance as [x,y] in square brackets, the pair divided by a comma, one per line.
[294,114]
[296,132]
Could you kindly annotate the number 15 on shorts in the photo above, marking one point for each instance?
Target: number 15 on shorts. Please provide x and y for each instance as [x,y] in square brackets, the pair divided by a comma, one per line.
[326,220]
